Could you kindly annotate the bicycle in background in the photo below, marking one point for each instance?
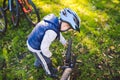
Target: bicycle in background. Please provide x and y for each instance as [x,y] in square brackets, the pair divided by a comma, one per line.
[28,8]
[30,11]
[12,6]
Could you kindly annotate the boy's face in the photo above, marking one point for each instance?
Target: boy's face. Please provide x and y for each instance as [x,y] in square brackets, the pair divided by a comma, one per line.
[65,26]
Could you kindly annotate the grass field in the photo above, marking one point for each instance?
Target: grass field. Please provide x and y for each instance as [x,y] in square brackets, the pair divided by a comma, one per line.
[97,46]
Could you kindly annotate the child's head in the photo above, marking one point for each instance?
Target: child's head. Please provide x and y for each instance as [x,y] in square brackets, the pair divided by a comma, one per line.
[69,20]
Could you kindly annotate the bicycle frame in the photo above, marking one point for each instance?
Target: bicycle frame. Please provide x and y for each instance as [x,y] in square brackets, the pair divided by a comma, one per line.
[22,2]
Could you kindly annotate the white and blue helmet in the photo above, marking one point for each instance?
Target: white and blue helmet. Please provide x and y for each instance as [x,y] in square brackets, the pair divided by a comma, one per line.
[69,16]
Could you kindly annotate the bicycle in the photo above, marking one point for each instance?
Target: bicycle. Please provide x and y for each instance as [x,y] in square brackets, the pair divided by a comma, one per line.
[12,5]
[3,21]
[28,8]
[70,64]
[30,11]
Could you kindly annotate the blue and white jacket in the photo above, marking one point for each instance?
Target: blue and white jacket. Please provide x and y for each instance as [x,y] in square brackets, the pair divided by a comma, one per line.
[44,33]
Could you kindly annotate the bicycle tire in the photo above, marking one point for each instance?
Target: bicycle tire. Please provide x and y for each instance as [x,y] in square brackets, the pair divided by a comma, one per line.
[32,18]
[68,52]
[66,74]
[3,21]
[5,5]
[15,12]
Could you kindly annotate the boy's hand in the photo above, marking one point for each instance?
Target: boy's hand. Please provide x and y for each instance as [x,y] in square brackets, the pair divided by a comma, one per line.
[65,45]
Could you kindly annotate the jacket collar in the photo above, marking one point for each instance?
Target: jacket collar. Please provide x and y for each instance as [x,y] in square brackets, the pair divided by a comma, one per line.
[52,19]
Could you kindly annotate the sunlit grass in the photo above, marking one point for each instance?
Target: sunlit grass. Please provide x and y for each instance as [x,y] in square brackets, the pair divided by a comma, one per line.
[93,21]
[116,1]
[87,12]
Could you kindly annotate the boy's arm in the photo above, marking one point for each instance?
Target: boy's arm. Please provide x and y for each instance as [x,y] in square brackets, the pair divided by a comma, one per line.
[48,38]
[62,40]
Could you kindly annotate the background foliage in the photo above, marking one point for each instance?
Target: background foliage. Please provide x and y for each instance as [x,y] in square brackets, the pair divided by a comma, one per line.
[97,45]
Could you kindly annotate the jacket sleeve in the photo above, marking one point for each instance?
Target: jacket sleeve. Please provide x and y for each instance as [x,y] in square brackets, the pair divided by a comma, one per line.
[48,38]
[62,39]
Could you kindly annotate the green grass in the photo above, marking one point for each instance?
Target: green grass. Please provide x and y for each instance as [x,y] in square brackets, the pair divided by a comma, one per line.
[97,45]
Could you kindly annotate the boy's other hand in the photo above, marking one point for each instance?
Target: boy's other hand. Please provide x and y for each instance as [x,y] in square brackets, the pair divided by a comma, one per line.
[65,45]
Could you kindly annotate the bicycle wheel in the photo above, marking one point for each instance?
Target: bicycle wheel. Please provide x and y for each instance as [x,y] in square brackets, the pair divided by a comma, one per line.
[31,12]
[3,21]
[66,74]
[14,12]
[5,5]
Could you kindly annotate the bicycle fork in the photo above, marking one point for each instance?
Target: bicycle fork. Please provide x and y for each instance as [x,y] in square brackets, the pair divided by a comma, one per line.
[10,8]
[10,5]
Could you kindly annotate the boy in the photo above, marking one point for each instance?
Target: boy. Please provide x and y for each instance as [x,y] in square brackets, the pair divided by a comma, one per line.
[45,32]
